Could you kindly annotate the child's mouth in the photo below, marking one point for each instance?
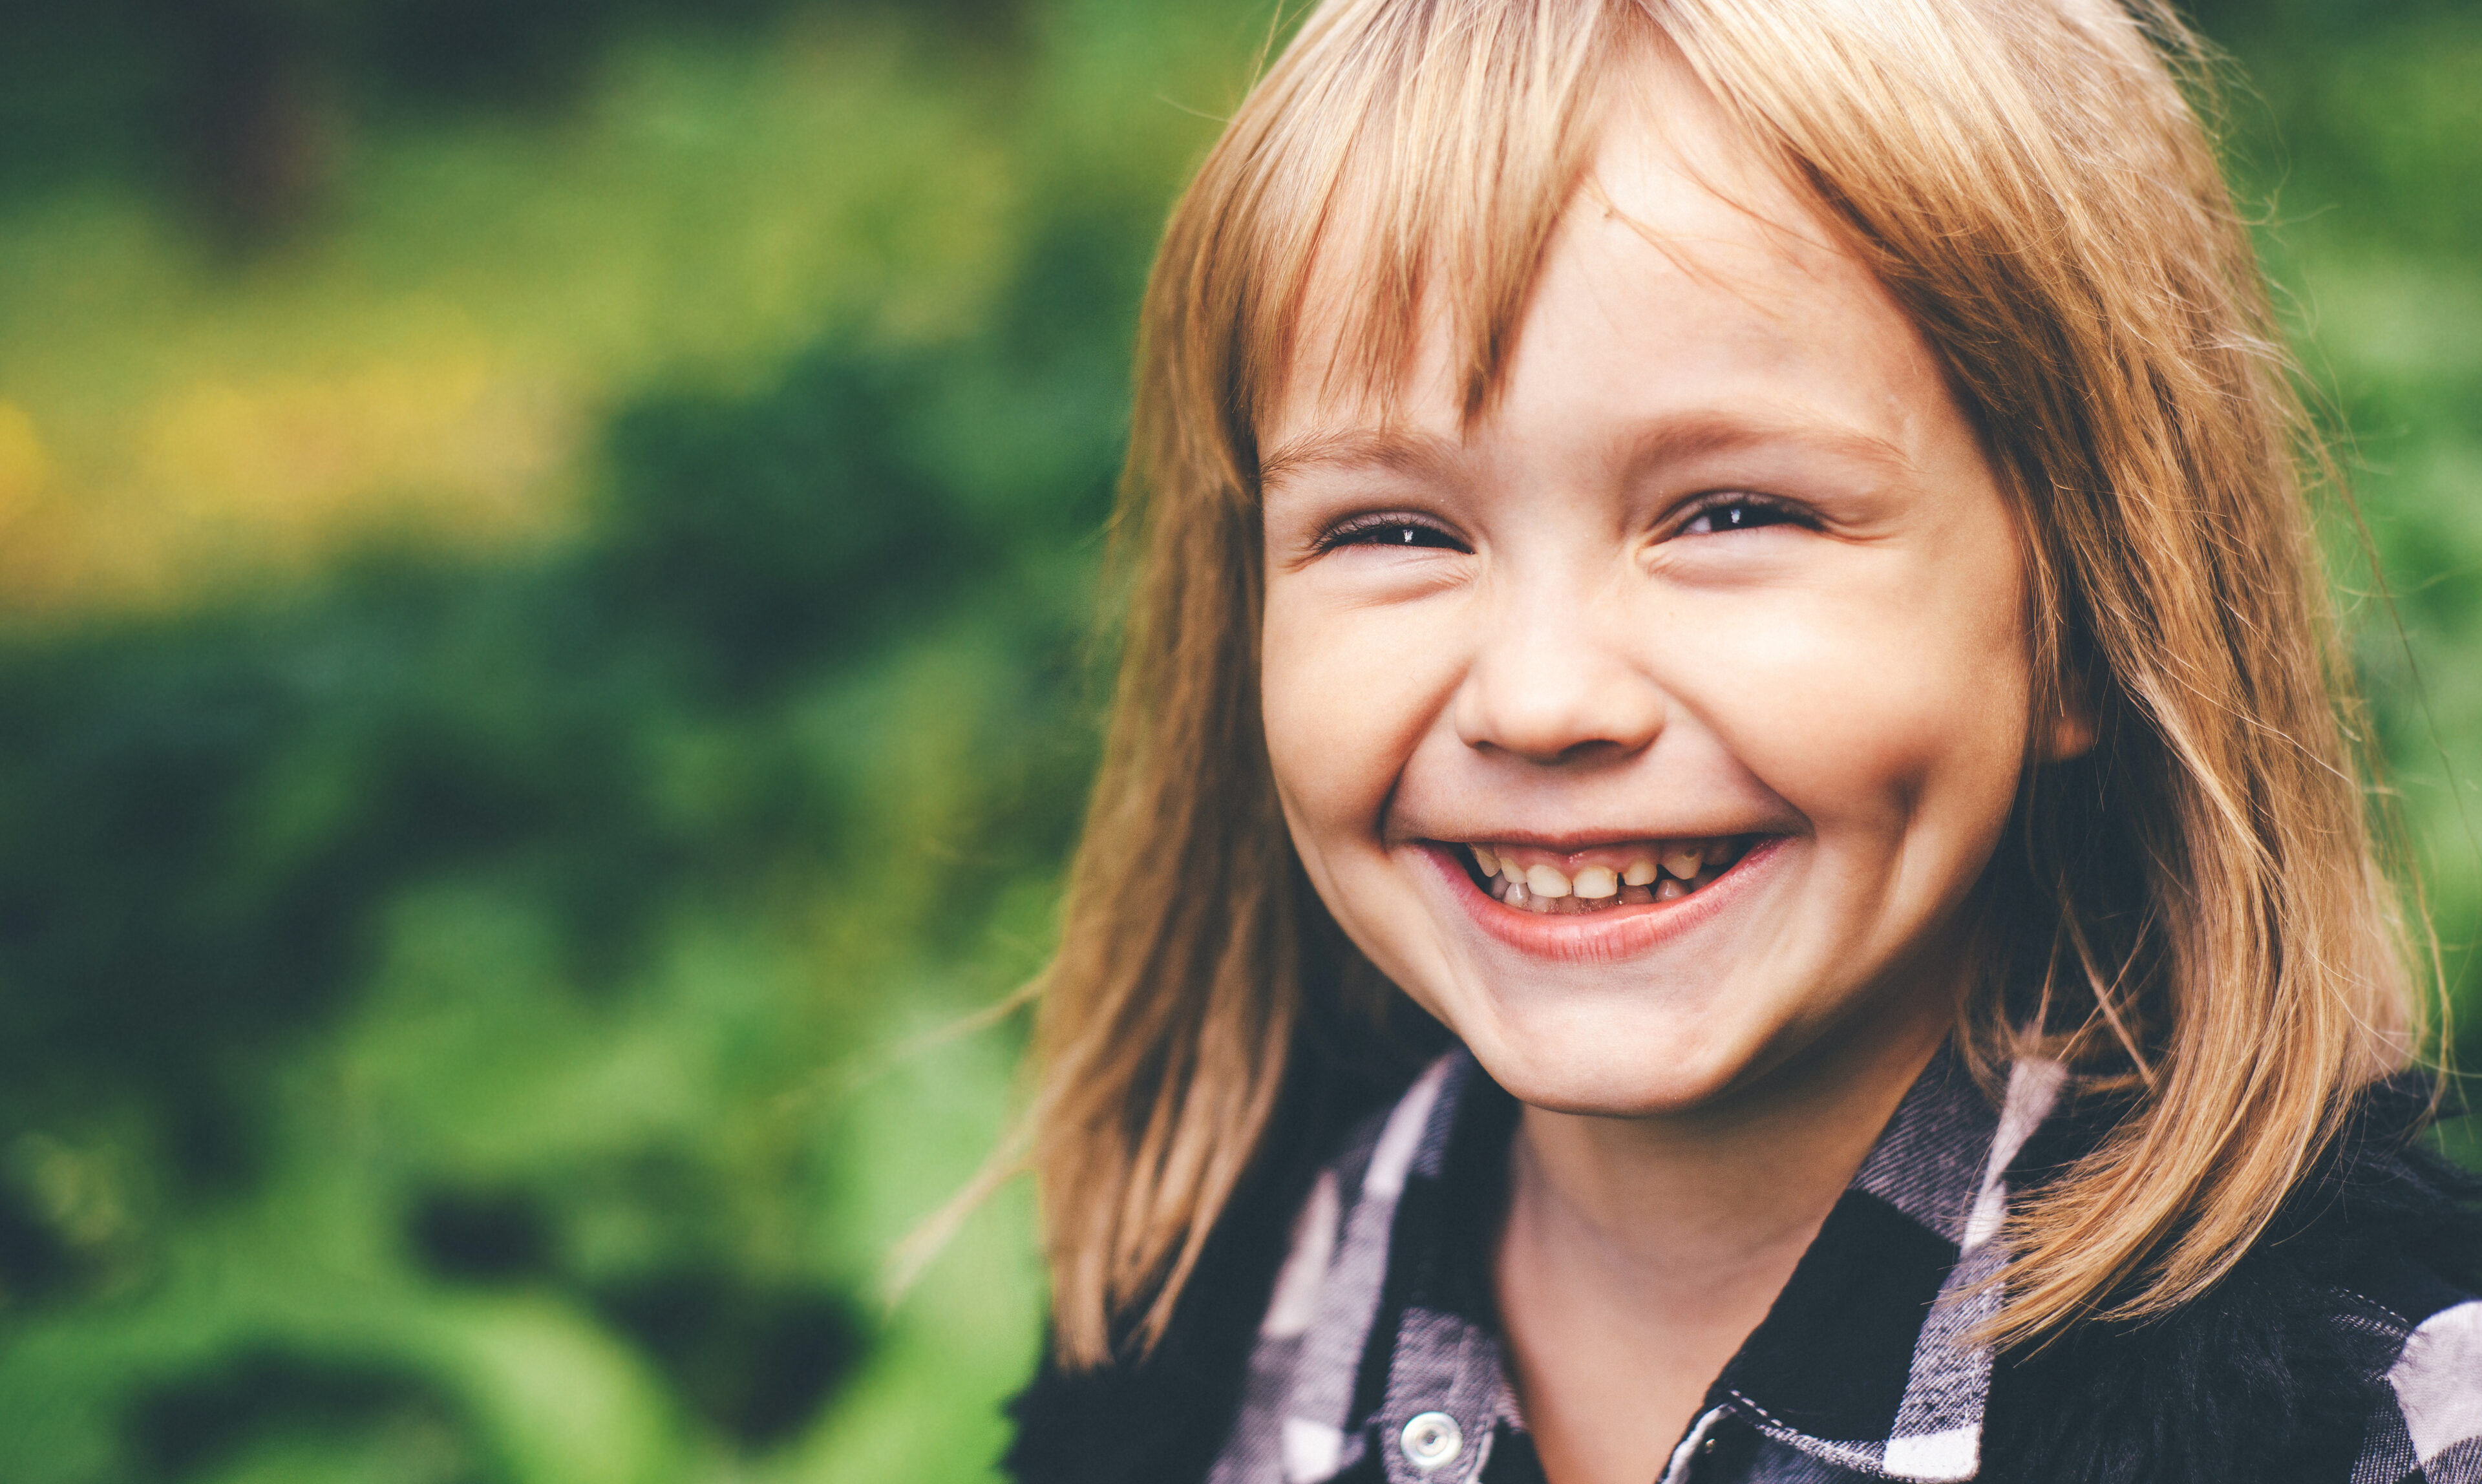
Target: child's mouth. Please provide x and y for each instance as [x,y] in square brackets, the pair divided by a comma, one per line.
[1549,882]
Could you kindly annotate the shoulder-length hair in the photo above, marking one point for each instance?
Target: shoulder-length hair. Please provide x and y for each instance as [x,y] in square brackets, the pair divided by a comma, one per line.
[2193,912]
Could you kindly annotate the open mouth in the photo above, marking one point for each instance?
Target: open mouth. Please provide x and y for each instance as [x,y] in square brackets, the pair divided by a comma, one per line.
[1551,883]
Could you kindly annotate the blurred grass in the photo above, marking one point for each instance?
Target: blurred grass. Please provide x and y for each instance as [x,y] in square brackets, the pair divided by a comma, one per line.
[541,669]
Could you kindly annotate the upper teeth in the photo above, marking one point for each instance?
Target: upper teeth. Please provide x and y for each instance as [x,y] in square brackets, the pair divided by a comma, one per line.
[1645,867]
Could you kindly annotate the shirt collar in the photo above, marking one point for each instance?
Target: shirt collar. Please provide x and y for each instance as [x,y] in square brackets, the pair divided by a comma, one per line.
[1866,1359]
[1381,1321]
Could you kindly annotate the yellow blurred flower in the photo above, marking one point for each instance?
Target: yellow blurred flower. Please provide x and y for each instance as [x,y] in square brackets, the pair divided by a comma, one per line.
[25,464]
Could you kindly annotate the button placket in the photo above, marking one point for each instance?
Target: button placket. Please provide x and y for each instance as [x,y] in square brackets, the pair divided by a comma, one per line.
[1436,1424]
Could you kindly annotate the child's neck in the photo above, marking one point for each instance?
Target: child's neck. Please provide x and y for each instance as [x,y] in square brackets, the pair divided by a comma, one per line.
[1638,1254]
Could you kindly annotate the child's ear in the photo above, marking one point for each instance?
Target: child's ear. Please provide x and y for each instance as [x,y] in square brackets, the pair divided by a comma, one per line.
[2070,733]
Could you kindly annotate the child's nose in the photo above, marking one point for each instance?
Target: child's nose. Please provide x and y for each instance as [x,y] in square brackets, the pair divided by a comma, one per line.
[1550,688]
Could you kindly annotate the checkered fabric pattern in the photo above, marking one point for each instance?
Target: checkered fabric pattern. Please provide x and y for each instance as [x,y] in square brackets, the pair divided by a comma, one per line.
[2432,1431]
[1379,1358]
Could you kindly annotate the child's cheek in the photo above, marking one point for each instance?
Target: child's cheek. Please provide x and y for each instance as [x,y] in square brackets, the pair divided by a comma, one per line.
[1348,693]
[1880,691]
[1877,708]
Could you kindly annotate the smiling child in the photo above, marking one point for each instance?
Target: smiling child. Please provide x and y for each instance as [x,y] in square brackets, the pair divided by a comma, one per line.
[1728,848]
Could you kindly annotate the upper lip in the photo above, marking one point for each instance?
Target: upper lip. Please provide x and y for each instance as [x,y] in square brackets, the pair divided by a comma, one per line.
[1580,840]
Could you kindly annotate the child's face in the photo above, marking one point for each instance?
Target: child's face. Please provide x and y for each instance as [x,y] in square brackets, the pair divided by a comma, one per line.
[1724,567]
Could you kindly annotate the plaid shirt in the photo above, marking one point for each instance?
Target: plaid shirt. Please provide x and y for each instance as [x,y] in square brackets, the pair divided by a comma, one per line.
[1379,1356]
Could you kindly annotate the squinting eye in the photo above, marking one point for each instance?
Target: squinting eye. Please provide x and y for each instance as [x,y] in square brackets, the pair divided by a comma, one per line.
[1738,513]
[1392,532]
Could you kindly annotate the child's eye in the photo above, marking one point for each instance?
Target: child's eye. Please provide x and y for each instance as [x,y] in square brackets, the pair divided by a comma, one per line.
[1400,531]
[1741,513]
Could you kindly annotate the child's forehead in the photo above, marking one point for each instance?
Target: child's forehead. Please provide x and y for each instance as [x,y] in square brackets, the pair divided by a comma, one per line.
[1672,198]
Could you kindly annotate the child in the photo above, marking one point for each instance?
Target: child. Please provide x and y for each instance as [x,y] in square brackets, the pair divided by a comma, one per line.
[1727,848]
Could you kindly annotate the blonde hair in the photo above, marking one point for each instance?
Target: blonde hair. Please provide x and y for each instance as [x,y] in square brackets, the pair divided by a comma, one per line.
[2193,913]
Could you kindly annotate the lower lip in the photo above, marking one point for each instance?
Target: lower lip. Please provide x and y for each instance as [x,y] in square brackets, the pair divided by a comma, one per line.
[1611,934]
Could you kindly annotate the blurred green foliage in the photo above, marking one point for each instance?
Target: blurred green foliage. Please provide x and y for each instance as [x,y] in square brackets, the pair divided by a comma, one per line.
[2356,132]
[483,1014]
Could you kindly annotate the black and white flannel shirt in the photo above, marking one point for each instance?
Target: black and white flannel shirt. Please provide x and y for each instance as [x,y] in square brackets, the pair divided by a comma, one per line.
[1379,1356]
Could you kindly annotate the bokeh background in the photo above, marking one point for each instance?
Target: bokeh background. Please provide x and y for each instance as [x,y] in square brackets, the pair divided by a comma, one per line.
[547,549]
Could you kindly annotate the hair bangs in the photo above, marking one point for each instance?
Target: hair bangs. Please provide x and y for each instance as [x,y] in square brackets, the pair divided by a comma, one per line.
[1408,183]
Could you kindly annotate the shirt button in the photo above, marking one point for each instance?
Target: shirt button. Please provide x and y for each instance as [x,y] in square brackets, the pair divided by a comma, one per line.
[1431,1440]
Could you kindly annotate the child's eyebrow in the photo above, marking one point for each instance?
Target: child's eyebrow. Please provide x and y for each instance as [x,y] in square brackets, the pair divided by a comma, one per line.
[1709,434]
[1346,448]
[1666,441]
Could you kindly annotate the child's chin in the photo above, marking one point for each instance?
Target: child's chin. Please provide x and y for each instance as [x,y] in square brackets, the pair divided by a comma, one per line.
[1621,1069]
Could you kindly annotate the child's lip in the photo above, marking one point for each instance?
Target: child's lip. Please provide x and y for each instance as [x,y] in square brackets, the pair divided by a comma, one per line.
[1609,936]
[1574,844]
